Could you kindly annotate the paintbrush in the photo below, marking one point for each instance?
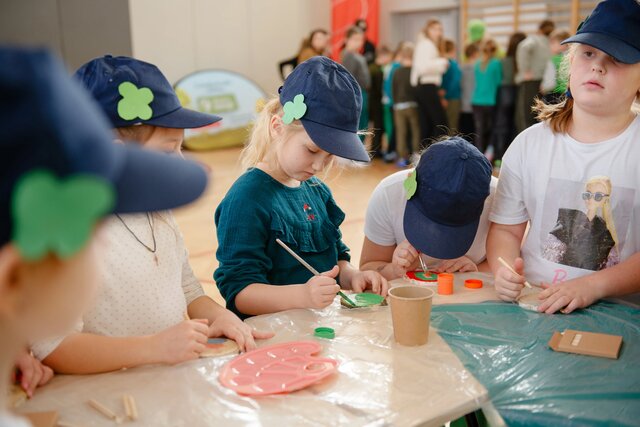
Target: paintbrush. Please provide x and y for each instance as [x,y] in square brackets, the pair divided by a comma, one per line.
[506,264]
[311,269]
[422,264]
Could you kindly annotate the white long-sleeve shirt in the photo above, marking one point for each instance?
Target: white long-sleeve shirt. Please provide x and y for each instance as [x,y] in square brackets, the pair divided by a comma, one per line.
[428,66]
[136,296]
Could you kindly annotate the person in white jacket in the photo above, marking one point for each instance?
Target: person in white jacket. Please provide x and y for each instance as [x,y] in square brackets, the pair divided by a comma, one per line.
[426,75]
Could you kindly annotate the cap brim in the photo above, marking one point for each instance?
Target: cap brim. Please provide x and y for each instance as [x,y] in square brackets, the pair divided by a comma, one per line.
[437,240]
[153,181]
[612,46]
[183,118]
[338,142]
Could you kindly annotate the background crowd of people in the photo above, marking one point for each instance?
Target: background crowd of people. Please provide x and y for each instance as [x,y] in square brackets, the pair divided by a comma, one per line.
[430,87]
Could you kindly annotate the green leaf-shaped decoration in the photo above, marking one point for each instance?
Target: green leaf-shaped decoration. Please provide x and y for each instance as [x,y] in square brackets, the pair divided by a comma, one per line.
[57,216]
[135,102]
[411,184]
[294,110]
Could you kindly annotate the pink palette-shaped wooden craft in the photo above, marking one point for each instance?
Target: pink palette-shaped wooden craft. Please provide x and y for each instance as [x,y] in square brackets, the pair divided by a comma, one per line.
[280,368]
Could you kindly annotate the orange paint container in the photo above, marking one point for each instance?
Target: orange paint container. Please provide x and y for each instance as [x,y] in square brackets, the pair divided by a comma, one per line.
[445,283]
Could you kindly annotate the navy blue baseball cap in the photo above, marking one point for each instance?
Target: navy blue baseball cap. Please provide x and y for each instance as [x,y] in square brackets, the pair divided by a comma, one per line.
[48,122]
[453,180]
[614,28]
[333,100]
[104,78]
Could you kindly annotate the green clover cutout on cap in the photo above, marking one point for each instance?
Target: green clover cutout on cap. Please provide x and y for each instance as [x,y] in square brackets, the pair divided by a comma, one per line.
[411,184]
[294,110]
[58,216]
[135,102]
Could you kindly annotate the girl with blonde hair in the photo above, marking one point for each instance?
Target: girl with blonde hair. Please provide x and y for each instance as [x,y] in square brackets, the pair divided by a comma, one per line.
[295,137]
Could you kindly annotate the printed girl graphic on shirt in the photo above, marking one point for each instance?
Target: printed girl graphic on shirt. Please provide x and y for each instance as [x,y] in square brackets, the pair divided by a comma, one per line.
[586,238]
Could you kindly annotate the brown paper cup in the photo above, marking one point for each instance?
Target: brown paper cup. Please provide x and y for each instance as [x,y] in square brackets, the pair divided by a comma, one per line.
[411,314]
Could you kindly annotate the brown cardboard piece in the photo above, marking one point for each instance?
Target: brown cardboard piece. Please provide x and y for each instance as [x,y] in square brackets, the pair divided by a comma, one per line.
[588,343]
[42,419]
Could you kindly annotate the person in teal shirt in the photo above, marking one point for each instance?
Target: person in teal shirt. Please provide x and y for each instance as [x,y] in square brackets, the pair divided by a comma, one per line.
[296,136]
[488,74]
[451,85]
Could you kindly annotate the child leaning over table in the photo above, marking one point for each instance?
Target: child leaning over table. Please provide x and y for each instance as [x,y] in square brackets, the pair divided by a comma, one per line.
[295,137]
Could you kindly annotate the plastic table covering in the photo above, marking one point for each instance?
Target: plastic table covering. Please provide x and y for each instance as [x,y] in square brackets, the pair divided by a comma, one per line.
[378,383]
[529,384]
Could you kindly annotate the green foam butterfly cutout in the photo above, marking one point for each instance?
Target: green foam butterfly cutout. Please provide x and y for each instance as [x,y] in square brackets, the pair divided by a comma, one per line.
[57,216]
[294,110]
[135,102]
[411,184]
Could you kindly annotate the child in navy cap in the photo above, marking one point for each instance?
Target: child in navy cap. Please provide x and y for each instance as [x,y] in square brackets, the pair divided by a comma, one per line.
[60,176]
[438,211]
[573,179]
[295,137]
[147,284]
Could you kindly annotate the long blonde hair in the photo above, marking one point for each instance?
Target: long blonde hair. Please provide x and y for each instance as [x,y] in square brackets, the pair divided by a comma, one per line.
[559,115]
[261,145]
[606,205]
[438,43]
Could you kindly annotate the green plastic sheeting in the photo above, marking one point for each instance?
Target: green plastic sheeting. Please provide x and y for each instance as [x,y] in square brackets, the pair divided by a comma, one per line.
[505,348]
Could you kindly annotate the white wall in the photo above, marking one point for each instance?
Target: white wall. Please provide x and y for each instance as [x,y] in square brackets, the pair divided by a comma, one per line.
[398,18]
[77,30]
[246,36]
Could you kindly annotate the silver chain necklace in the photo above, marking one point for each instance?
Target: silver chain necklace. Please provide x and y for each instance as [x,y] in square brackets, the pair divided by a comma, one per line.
[153,236]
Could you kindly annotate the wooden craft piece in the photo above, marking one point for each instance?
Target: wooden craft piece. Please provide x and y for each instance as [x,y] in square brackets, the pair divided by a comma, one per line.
[42,419]
[529,301]
[217,347]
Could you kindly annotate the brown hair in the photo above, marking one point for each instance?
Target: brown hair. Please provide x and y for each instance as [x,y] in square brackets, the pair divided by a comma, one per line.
[448,46]
[514,41]
[306,43]
[138,133]
[471,50]
[559,114]
[425,31]
[546,27]
[489,49]
[353,31]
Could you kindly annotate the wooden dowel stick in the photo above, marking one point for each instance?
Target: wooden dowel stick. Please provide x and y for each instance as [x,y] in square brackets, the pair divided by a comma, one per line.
[506,264]
[311,269]
[102,409]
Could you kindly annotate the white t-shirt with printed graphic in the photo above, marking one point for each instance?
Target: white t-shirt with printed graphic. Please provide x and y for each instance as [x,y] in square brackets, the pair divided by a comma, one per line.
[560,185]
[385,216]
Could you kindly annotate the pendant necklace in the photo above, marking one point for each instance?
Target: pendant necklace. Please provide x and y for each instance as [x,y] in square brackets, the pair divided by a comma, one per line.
[153,236]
